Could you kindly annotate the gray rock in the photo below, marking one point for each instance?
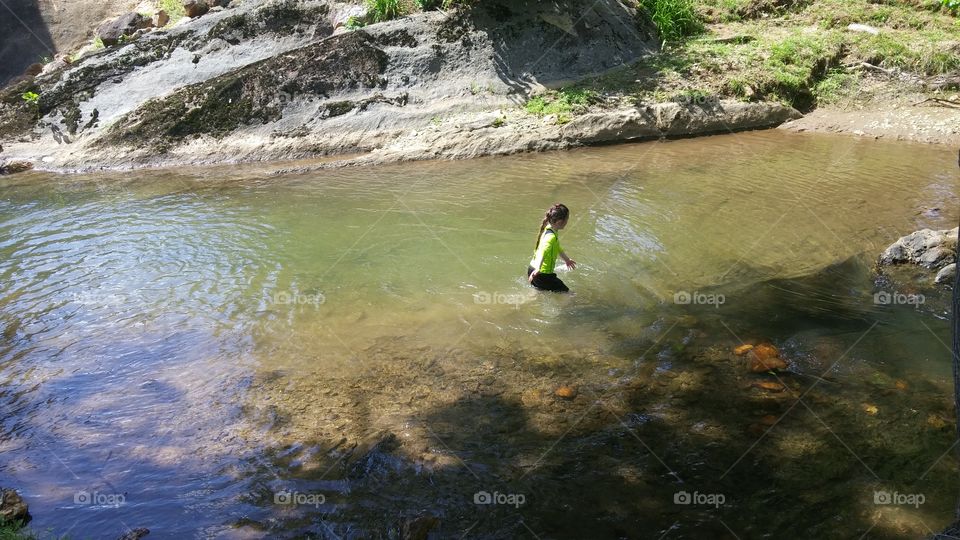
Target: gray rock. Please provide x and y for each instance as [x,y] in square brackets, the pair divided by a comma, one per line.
[12,507]
[946,274]
[675,120]
[856,27]
[110,32]
[926,247]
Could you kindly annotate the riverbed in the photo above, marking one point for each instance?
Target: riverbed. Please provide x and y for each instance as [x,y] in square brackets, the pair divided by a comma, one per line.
[354,352]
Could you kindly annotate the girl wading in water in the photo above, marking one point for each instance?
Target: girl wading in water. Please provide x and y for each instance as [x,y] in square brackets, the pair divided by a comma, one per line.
[540,274]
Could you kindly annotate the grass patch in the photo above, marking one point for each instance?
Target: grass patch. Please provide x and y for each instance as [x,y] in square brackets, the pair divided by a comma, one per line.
[10,530]
[675,19]
[383,10]
[835,85]
[563,103]
[926,56]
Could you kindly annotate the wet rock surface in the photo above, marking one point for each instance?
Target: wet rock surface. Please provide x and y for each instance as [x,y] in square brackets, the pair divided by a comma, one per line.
[908,262]
[928,248]
[12,507]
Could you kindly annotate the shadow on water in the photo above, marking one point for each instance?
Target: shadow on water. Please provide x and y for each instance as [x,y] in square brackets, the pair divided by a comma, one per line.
[24,38]
[685,442]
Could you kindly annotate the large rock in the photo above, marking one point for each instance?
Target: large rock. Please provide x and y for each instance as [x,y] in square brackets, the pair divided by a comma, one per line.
[675,120]
[111,32]
[14,166]
[195,8]
[12,507]
[946,274]
[926,247]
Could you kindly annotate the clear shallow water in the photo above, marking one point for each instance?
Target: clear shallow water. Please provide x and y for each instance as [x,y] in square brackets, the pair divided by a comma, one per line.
[184,345]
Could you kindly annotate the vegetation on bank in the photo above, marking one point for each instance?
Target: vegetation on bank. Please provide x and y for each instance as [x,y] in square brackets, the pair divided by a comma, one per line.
[10,530]
[799,52]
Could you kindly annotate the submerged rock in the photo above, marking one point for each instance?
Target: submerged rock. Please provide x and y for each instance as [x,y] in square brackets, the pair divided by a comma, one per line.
[419,527]
[770,386]
[566,392]
[12,507]
[742,349]
[378,460]
[765,357]
[134,534]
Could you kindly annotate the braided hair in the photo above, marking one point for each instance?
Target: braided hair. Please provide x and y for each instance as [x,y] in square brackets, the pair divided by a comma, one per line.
[554,214]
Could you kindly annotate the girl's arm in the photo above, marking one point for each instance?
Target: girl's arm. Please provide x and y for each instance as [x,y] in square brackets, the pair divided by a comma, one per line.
[570,262]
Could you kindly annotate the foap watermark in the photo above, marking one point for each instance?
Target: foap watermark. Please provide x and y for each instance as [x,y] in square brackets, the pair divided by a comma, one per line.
[298,299]
[896,498]
[886,298]
[698,298]
[700,99]
[288,497]
[484,297]
[96,498]
[515,500]
[696,498]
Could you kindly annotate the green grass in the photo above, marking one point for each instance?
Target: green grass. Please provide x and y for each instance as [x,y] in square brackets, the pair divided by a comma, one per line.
[923,53]
[383,10]
[836,84]
[13,531]
[675,19]
[563,103]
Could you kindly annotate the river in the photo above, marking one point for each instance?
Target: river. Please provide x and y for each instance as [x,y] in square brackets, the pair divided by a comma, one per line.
[354,353]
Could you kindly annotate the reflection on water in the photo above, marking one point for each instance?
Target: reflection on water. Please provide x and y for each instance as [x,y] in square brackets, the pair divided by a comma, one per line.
[207,346]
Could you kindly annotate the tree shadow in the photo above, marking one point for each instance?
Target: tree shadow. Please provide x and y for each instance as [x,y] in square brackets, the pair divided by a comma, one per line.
[24,38]
[689,444]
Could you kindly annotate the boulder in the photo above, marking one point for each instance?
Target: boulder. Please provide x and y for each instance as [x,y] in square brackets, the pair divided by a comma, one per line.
[12,507]
[195,8]
[928,248]
[110,32]
[946,274]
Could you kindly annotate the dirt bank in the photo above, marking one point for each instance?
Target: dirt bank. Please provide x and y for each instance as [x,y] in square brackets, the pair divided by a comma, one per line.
[924,122]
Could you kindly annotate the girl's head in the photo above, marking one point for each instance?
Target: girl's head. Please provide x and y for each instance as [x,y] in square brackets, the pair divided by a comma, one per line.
[556,216]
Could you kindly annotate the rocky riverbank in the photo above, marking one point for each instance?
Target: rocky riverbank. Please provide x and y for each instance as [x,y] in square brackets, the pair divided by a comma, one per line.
[298,79]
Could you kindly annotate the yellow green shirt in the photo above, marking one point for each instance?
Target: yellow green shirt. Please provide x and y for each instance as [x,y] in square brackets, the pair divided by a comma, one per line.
[545,256]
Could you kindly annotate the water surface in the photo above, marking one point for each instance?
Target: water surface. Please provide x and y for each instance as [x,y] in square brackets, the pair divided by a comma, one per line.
[182,349]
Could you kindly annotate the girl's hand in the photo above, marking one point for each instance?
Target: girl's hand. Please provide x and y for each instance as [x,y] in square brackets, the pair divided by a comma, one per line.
[532,275]
[571,264]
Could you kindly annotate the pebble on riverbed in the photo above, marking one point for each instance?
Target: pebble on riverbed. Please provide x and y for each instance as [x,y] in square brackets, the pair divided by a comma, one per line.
[566,392]
[765,357]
